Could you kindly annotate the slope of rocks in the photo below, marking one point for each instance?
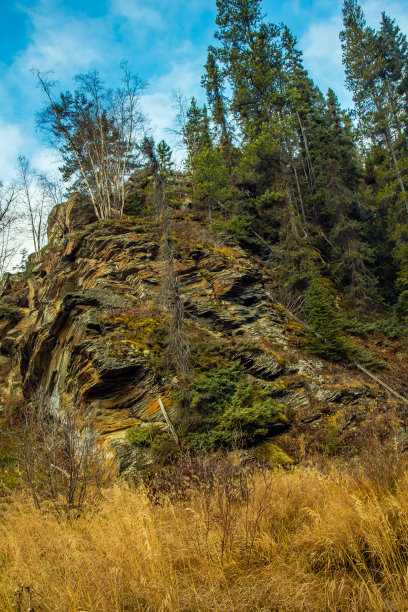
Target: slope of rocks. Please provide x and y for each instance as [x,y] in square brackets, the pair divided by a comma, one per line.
[84,324]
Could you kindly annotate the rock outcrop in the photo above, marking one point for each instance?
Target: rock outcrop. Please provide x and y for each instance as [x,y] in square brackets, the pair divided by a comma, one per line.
[85,325]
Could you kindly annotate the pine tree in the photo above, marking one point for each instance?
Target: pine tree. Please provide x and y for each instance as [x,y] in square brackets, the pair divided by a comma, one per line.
[392,48]
[149,150]
[304,99]
[338,200]
[213,82]
[164,154]
[238,22]
[258,59]
[196,132]
[211,181]
[376,68]
[367,62]
[327,341]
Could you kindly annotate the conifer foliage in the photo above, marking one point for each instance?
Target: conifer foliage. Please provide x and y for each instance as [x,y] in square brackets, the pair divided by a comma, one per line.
[295,177]
[327,340]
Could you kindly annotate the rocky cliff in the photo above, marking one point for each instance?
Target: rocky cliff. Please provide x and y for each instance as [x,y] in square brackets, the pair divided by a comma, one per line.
[86,324]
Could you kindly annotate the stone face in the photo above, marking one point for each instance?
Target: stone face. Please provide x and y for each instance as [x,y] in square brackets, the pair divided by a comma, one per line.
[85,326]
[75,214]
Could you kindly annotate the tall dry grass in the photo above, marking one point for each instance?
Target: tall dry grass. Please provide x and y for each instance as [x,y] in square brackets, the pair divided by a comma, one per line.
[308,539]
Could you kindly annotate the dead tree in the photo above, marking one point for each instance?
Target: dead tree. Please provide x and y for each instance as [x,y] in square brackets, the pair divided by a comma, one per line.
[177,349]
[35,201]
[8,218]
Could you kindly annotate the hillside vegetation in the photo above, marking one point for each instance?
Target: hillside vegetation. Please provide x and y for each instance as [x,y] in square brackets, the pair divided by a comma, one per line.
[204,393]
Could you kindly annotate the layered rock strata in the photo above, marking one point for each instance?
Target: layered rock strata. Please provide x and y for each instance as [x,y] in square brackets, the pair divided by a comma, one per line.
[79,325]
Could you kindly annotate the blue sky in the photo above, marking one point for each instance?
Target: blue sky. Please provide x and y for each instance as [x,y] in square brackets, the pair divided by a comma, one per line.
[164,41]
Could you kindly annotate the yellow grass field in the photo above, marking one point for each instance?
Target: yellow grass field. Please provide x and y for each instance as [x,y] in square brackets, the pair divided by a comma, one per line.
[306,539]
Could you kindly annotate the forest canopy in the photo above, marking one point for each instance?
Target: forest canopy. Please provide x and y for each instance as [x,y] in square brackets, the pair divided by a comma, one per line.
[274,163]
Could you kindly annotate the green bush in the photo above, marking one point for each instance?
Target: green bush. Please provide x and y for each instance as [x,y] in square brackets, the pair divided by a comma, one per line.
[158,445]
[226,409]
[215,388]
[143,435]
[249,416]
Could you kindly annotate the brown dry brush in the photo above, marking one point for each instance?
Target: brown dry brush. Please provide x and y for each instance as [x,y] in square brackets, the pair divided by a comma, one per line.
[304,539]
[55,453]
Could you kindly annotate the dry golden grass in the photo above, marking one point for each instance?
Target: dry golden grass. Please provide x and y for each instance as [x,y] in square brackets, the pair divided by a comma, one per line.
[299,540]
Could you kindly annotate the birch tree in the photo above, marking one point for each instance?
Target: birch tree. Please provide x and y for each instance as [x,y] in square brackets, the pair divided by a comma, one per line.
[95,130]
[8,216]
[35,201]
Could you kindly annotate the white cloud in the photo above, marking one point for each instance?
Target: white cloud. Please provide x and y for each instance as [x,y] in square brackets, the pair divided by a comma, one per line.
[69,44]
[45,160]
[159,105]
[139,12]
[323,58]
[63,43]
[13,139]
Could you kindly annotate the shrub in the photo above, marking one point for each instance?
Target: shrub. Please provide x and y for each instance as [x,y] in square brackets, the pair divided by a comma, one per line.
[226,409]
[215,388]
[56,455]
[250,415]
[143,435]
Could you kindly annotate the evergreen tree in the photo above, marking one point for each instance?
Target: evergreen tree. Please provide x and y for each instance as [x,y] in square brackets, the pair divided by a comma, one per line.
[304,100]
[196,132]
[369,58]
[213,83]
[327,340]
[392,48]
[337,200]
[211,181]
[164,154]
[238,22]
[376,69]
[149,150]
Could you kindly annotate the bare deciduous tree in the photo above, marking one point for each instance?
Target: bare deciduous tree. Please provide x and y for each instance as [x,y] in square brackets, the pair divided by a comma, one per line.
[185,141]
[95,130]
[57,455]
[52,188]
[8,216]
[35,197]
